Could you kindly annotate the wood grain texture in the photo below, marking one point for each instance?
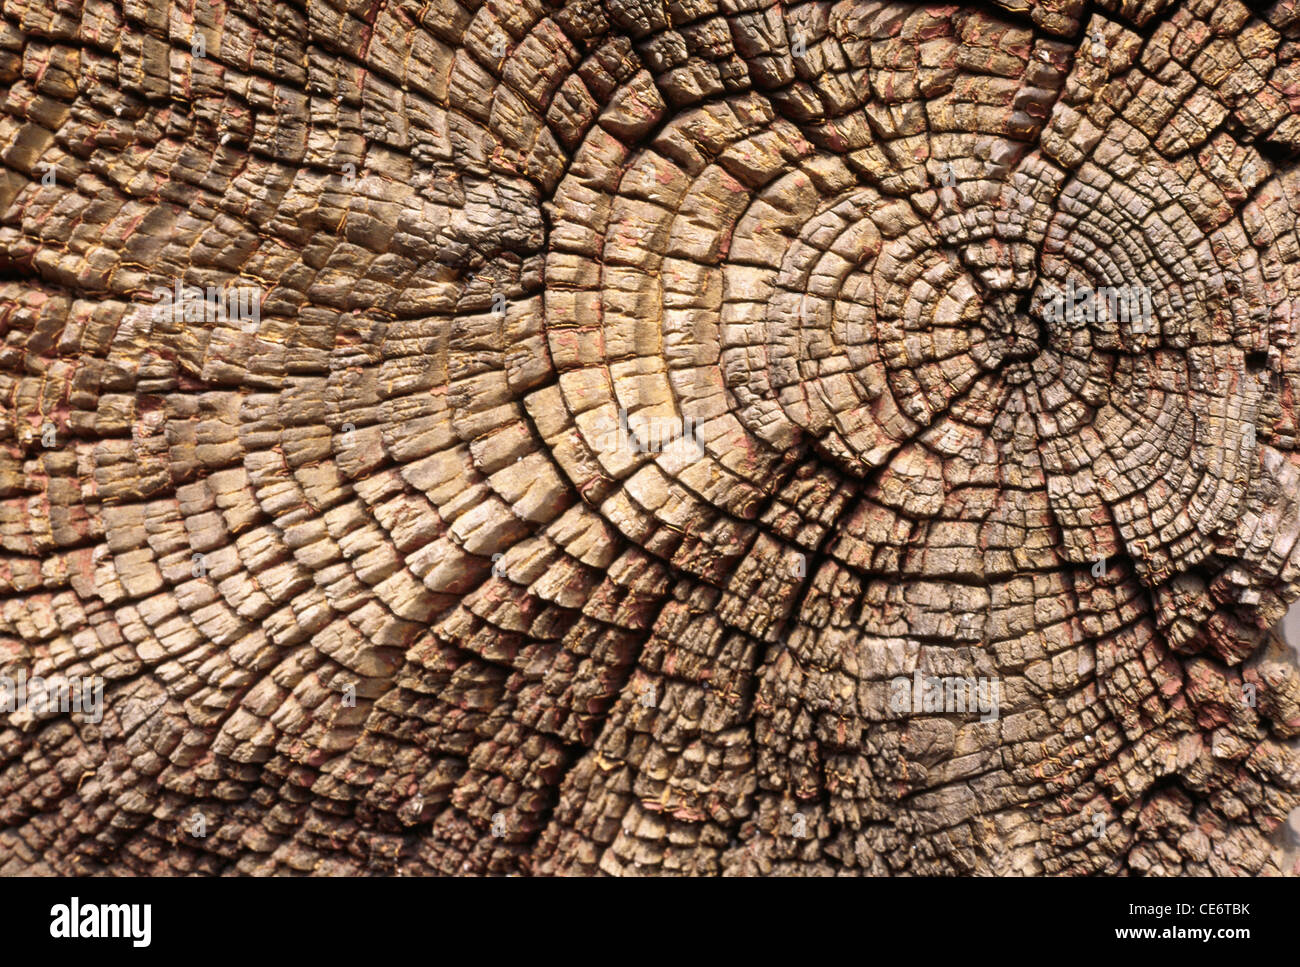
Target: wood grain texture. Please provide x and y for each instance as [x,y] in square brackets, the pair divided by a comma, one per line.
[376,582]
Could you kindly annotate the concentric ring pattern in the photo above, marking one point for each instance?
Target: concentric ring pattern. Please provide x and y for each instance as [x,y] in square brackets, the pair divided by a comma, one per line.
[643,396]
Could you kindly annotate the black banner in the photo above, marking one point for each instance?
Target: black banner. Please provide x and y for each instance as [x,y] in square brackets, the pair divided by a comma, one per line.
[442,917]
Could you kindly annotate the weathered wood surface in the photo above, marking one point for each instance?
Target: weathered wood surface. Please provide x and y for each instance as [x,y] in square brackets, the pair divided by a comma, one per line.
[826,234]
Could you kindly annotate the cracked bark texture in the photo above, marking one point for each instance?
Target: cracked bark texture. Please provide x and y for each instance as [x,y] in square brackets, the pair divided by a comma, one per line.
[827,234]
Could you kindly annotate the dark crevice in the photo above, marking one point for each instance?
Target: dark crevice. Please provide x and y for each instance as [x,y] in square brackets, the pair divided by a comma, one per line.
[1275,151]
[15,270]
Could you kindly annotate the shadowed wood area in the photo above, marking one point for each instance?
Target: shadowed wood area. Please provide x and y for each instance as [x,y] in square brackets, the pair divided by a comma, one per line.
[649,436]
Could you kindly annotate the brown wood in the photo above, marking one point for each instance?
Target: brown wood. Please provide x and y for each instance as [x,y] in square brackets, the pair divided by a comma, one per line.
[644,399]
